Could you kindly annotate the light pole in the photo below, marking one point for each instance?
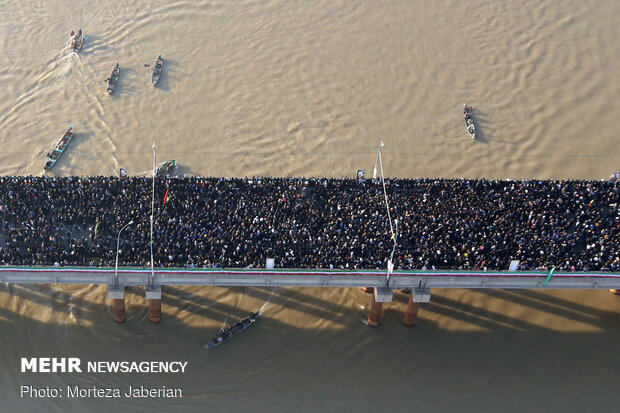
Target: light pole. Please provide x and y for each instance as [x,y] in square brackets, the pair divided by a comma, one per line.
[151,281]
[118,242]
[379,160]
[393,228]
[391,260]
[374,172]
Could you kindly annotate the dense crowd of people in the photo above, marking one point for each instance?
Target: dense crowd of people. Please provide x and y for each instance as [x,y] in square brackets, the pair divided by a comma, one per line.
[311,223]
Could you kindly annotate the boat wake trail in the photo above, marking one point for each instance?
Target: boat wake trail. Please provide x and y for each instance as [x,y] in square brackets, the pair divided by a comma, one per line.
[65,65]
[267,304]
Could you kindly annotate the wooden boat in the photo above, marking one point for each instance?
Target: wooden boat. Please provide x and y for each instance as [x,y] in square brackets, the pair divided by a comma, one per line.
[53,156]
[226,334]
[157,66]
[167,168]
[113,79]
[469,122]
[77,40]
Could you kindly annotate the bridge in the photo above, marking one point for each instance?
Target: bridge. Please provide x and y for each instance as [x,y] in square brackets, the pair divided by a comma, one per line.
[419,282]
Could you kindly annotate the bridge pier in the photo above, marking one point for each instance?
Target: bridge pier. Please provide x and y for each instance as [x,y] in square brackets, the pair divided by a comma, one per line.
[119,310]
[411,313]
[155,311]
[374,315]
[417,296]
[117,294]
[153,294]
[381,295]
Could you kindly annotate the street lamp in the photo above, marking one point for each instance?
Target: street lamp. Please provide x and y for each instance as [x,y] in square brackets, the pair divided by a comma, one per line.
[118,242]
[152,280]
[393,228]
[391,260]
[374,172]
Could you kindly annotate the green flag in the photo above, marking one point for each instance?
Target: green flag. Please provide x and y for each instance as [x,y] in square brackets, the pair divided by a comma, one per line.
[549,276]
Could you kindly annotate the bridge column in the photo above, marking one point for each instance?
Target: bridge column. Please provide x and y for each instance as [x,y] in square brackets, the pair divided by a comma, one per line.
[418,295]
[374,315]
[117,294]
[411,313]
[381,295]
[119,310]
[153,294]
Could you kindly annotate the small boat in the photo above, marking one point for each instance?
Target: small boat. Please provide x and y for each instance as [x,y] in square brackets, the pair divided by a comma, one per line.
[226,334]
[167,168]
[113,79]
[469,122]
[77,40]
[157,66]
[53,156]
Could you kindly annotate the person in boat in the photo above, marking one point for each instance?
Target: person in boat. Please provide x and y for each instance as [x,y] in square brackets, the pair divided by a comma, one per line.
[224,333]
[80,32]
[72,33]
[116,71]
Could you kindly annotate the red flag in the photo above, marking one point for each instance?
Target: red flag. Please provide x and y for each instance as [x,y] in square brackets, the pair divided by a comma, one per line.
[166,195]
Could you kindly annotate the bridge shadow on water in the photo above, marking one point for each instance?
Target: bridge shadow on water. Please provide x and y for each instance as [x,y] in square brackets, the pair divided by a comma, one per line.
[498,351]
[289,298]
[523,306]
[46,296]
[558,306]
[486,312]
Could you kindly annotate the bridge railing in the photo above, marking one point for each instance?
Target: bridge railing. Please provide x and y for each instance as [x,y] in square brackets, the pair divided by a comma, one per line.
[311,278]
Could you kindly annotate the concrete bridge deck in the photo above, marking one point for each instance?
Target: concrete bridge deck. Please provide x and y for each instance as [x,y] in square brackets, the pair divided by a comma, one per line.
[419,282]
[310,278]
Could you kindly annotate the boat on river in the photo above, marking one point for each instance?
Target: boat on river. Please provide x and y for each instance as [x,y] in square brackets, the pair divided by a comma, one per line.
[167,168]
[237,328]
[158,64]
[113,79]
[469,121]
[60,147]
[77,40]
